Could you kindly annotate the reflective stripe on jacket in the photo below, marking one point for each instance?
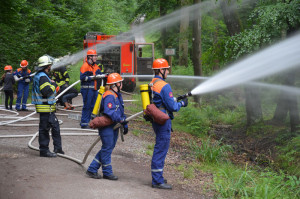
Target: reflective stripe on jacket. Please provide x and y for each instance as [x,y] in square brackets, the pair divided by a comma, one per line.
[87,70]
[61,77]
[45,108]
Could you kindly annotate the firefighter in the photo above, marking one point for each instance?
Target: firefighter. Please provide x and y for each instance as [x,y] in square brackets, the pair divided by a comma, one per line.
[164,100]
[62,79]
[8,80]
[23,85]
[43,96]
[89,86]
[112,106]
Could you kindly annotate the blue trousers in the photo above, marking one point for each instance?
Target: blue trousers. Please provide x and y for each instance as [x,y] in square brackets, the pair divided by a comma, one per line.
[68,96]
[161,147]
[89,97]
[22,95]
[109,139]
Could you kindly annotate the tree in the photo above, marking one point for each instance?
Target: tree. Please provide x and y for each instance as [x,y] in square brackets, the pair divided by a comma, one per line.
[252,94]
[183,38]
[270,20]
[196,53]
[196,45]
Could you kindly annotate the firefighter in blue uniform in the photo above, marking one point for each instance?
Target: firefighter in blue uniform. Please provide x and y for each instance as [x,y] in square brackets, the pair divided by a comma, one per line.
[23,85]
[112,106]
[89,86]
[164,100]
[43,96]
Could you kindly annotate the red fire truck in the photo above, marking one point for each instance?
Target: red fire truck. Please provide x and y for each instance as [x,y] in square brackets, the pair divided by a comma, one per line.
[120,54]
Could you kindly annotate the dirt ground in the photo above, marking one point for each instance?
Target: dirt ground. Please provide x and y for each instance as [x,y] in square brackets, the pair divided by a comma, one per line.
[26,175]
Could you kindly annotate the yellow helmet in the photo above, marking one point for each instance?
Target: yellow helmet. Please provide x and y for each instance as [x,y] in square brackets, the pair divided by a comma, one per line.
[45,60]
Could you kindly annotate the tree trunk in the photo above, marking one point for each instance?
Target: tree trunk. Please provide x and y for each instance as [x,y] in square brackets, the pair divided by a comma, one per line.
[253,105]
[287,103]
[183,36]
[196,55]
[216,65]
[231,16]
[163,12]
[252,95]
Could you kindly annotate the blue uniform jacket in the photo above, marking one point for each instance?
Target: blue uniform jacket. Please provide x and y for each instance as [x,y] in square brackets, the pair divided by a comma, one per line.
[163,97]
[112,105]
[23,73]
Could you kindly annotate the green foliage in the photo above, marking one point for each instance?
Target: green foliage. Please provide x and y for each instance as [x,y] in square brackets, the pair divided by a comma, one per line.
[150,149]
[270,20]
[289,156]
[30,29]
[74,74]
[233,182]
[181,70]
[211,151]
[136,132]
[188,171]
[192,120]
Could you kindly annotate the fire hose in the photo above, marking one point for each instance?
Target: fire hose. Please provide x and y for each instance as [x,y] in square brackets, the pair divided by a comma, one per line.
[62,155]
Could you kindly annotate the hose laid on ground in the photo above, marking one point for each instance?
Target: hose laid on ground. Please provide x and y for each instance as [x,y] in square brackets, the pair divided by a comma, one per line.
[62,155]
[66,156]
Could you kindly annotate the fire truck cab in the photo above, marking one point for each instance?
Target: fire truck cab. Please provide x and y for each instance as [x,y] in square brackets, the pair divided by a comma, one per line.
[120,54]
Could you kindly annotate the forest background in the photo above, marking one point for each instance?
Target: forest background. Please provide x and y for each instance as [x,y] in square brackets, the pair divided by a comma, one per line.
[204,46]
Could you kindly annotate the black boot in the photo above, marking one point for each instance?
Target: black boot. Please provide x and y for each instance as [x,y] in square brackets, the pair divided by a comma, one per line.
[47,154]
[162,186]
[58,151]
[111,177]
[93,175]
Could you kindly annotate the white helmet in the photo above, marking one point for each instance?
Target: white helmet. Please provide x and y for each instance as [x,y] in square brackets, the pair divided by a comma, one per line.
[45,60]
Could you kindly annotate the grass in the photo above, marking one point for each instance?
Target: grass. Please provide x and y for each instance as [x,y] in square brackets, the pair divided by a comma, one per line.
[136,132]
[187,171]
[211,151]
[234,182]
[150,149]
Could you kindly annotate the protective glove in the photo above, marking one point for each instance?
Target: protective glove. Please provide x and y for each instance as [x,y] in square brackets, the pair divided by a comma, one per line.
[184,102]
[125,130]
[148,118]
[27,80]
[123,121]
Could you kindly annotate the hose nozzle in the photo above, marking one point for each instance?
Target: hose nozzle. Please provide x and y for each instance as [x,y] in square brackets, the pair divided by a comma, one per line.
[181,97]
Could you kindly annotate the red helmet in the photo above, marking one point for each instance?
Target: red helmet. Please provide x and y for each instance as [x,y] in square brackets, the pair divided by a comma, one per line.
[160,63]
[114,78]
[8,67]
[91,52]
[24,63]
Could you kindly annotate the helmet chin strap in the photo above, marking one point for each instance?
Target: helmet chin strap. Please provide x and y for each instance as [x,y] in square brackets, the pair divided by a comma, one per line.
[90,62]
[118,87]
[163,74]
